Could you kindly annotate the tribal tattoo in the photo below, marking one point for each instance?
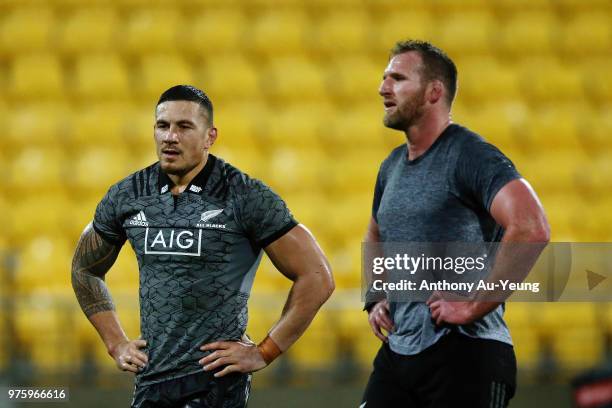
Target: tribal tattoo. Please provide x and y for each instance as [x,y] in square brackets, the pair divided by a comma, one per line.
[92,259]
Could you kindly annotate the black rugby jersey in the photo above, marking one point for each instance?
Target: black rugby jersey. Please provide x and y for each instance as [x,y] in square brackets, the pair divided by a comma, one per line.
[197,255]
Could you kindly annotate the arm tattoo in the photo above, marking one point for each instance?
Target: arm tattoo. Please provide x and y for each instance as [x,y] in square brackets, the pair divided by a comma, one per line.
[92,259]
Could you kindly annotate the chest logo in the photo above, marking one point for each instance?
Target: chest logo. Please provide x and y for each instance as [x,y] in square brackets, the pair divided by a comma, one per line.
[207,216]
[168,241]
[139,220]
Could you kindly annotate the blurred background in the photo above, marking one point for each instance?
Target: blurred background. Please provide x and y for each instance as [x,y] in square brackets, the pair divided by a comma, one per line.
[294,84]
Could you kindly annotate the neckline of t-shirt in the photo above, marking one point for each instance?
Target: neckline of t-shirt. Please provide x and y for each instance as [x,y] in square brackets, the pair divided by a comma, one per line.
[443,135]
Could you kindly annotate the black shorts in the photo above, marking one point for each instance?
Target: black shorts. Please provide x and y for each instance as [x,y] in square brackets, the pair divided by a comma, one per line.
[200,390]
[457,371]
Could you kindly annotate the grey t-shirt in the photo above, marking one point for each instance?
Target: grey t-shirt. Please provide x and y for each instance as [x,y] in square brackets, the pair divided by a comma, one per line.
[197,254]
[443,195]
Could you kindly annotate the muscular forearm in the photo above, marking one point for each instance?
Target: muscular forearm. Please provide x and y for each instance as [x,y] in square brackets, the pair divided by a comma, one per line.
[307,295]
[92,259]
[516,255]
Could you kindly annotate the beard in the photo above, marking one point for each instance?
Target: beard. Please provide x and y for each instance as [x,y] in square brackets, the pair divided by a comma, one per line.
[407,114]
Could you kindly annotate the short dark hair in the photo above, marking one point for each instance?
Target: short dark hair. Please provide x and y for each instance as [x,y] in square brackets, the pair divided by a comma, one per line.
[188,93]
[437,65]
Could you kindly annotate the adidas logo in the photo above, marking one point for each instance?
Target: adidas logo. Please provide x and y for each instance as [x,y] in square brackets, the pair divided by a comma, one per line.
[139,220]
[207,216]
[196,189]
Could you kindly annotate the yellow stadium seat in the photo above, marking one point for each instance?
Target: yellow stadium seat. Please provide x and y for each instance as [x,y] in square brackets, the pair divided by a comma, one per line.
[506,6]
[527,347]
[359,126]
[226,71]
[294,79]
[26,29]
[81,210]
[49,216]
[36,76]
[96,169]
[354,331]
[123,276]
[588,34]
[44,264]
[238,126]
[351,218]
[100,125]
[101,77]
[41,325]
[466,33]
[36,124]
[138,122]
[445,5]
[89,29]
[597,125]
[152,30]
[497,123]
[37,170]
[310,208]
[262,315]
[355,78]
[553,172]
[597,79]
[276,33]
[484,79]
[339,32]
[551,81]
[297,126]
[555,127]
[346,258]
[217,30]
[530,33]
[574,6]
[553,318]
[160,72]
[293,170]
[126,301]
[316,349]
[402,24]
[579,348]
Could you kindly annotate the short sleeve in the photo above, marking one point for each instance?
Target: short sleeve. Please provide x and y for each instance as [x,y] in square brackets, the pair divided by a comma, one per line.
[264,214]
[106,222]
[483,170]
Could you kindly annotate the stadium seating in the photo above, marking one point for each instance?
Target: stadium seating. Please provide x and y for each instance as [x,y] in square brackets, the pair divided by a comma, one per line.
[152,30]
[26,30]
[89,29]
[529,33]
[277,33]
[101,77]
[339,32]
[294,85]
[216,30]
[36,76]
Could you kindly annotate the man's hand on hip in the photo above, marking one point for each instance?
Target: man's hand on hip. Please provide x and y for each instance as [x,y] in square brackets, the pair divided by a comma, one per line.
[237,356]
[128,356]
[379,318]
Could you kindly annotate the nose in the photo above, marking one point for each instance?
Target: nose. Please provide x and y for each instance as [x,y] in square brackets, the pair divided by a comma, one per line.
[385,87]
[171,135]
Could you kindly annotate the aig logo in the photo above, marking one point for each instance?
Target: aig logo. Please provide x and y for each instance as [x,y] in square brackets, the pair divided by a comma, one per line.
[167,241]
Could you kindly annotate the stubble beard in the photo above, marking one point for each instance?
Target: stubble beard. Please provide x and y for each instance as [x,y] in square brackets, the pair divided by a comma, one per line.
[407,114]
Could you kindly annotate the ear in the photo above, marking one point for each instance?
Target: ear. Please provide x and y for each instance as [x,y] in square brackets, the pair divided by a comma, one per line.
[211,134]
[435,91]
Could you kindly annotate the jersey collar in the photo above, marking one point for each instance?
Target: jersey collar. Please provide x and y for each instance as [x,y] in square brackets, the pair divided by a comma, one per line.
[196,186]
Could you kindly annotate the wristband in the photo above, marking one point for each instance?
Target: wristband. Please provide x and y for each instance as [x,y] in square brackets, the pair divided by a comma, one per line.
[268,349]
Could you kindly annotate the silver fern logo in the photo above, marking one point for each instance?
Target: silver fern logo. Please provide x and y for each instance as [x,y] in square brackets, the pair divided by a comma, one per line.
[207,216]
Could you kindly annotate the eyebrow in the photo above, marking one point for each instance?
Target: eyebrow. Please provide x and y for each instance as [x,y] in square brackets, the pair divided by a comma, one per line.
[179,122]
